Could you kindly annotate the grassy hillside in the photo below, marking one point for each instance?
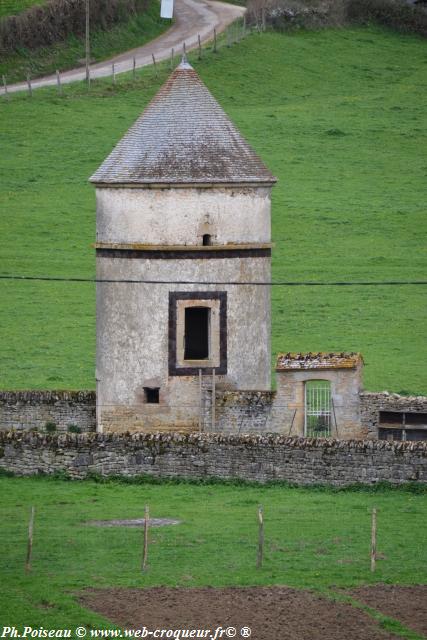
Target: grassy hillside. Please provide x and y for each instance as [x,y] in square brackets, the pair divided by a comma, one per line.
[13,7]
[135,32]
[313,539]
[339,117]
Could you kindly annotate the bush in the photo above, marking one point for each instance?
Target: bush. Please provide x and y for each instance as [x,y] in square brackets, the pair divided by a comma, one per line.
[4,473]
[285,15]
[50,427]
[396,14]
[56,20]
[74,428]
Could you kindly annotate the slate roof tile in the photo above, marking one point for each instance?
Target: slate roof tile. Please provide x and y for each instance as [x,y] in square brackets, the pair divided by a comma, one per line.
[321,360]
[183,136]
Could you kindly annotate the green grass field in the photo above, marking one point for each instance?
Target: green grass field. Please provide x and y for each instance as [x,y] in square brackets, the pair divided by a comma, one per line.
[317,539]
[339,117]
[137,31]
[13,7]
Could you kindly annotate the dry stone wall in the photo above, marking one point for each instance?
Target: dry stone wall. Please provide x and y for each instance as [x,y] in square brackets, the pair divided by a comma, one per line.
[372,403]
[256,458]
[23,410]
[236,412]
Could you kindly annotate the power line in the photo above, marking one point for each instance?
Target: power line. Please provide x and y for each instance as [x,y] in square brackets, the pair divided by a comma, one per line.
[284,283]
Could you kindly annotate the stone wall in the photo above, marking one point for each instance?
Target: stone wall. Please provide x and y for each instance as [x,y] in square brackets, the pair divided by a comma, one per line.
[372,403]
[256,458]
[239,412]
[23,410]
[236,412]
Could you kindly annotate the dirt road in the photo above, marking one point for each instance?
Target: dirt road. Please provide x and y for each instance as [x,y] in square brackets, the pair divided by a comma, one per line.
[192,18]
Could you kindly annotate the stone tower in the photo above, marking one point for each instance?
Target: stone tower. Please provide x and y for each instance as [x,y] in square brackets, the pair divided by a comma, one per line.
[183,230]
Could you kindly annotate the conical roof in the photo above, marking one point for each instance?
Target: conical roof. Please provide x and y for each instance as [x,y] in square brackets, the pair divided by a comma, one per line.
[183,136]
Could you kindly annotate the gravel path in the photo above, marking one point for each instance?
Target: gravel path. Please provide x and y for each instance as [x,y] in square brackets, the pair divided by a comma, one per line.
[192,18]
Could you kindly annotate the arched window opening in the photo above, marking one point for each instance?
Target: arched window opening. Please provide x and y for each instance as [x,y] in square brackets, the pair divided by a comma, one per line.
[318,409]
[207,240]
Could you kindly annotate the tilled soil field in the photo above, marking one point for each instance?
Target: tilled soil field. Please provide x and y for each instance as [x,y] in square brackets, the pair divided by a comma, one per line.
[406,604]
[271,613]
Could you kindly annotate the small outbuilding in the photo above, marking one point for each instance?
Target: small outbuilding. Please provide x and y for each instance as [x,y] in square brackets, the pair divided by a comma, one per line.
[318,394]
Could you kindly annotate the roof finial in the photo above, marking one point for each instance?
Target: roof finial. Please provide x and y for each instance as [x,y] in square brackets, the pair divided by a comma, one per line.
[184,64]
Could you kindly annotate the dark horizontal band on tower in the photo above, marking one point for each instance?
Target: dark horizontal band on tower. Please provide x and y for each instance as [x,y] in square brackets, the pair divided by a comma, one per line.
[194,253]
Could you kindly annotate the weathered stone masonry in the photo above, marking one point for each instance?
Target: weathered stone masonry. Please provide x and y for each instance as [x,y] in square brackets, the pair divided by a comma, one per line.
[256,458]
[237,412]
[372,403]
[24,410]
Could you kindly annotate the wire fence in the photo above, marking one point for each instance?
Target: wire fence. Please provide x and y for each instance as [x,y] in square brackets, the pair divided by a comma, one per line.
[131,69]
[272,283]
[72,530]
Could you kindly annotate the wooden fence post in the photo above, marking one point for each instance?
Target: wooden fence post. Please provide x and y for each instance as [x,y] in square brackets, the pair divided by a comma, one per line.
[134,69]
[260,538]
[373,539]
[335,417]
[172,56]
[200,47]
[58,82]
[113,68]
[292,423]
[214,47]
[145,549]
[30,540]
[155,65]
[6,95]
[87,41]
[30,89]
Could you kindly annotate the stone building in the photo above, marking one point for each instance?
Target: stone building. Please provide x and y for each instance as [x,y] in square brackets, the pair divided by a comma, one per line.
[183,328]
[182,233]
[318,394]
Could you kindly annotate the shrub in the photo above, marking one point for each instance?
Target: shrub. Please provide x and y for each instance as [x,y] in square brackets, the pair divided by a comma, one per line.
[56,20]
[396,14]
[74,428]
[4,473]
[61,474]
[285,15]
[50,427]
